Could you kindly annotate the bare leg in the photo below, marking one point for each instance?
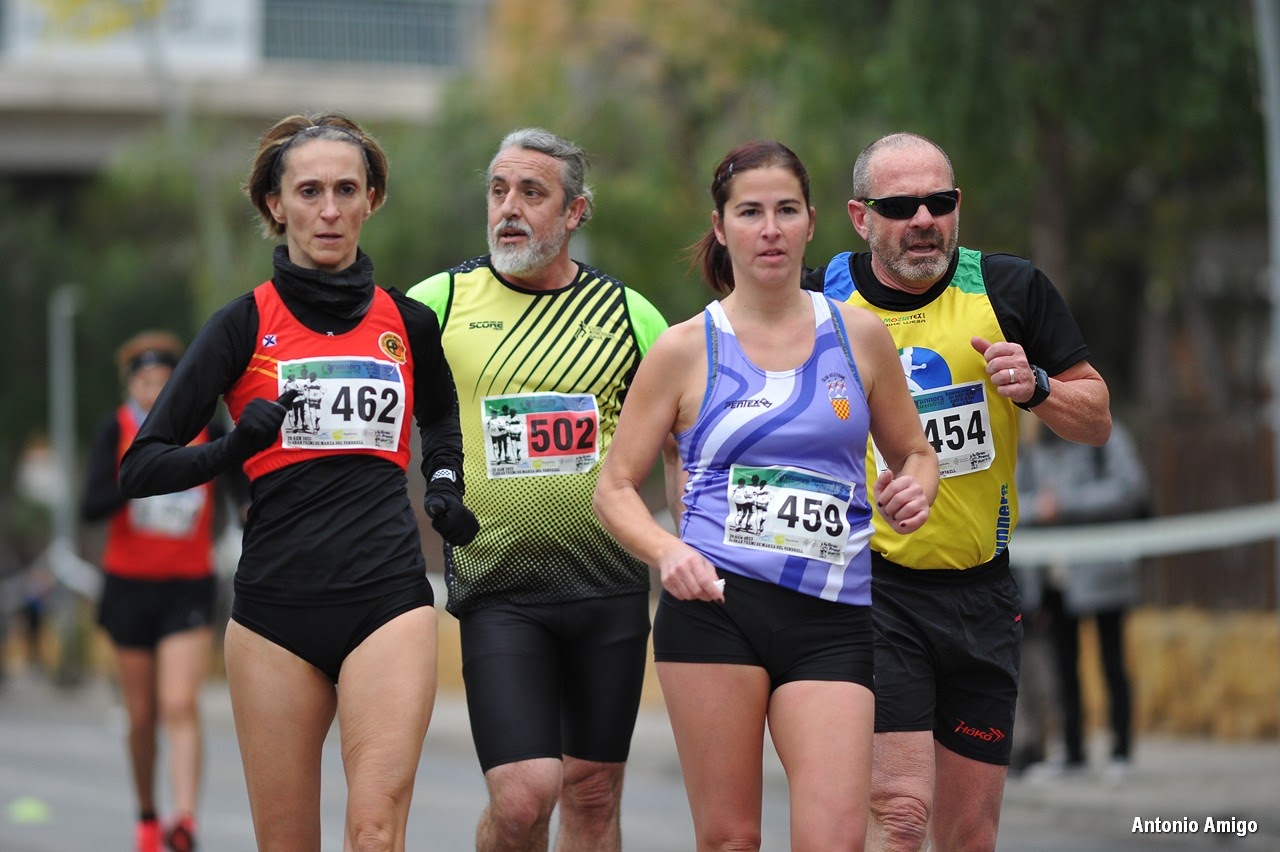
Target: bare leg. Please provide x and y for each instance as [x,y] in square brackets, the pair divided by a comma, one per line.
[717,714]
[822,732]
[183,664]
[902,776]
[966,813]
[522,796]
[386,693]
[136,670]
[590,807]
[283,707]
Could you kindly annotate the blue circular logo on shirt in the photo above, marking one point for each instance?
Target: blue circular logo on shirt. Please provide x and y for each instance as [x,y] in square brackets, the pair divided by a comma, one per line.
[923,368]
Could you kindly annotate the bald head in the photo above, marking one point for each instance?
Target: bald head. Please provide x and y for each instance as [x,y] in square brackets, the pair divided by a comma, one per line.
[908,150]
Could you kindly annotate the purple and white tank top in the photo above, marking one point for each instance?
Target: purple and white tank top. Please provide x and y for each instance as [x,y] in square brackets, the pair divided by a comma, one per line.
[776,465]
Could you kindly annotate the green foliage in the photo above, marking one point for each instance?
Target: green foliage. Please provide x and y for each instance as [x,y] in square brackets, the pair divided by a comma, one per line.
[35,249]
[1119,133]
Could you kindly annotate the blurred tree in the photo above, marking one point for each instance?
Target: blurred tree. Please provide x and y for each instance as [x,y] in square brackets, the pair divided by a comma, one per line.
[37,251]
[1090,138]
[164,238]
[1120,148]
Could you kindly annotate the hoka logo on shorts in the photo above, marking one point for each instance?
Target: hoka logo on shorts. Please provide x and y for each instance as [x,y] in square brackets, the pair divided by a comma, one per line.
[923,368]
[748,403]
[990,735]
[496,325]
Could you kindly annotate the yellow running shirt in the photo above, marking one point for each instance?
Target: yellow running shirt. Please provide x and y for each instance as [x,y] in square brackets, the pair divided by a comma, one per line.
[973,429]
[541,376]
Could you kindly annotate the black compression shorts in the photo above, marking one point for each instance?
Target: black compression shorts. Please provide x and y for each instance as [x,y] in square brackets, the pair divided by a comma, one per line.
[140,613]
[792,636]
[546,680]
[324,635]
[948,650]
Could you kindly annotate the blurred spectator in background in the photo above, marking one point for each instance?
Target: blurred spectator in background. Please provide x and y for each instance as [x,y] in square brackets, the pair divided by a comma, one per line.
[26,583]
[157,597]
[1062,482]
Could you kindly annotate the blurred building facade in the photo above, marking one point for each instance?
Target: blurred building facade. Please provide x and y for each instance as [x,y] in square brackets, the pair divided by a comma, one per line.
[78,78]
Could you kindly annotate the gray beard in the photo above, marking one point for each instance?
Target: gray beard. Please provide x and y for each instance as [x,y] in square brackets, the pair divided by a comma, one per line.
[534,256]
[516,261]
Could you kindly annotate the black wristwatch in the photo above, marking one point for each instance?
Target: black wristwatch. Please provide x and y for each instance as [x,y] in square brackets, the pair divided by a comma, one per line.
[1041,393]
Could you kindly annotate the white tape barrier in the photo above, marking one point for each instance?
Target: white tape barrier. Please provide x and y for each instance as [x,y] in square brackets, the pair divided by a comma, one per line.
[1148,537]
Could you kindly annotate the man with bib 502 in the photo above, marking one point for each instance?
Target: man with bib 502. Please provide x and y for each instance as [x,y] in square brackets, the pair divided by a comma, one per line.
[554,613]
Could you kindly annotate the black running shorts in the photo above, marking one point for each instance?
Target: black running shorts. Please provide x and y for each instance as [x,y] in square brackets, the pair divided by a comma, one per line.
[791,635]
[948,647]
[546,680]
[139,613]
[324,635]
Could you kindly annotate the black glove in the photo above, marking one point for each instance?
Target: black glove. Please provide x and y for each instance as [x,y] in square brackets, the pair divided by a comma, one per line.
[453,520]
[258,426]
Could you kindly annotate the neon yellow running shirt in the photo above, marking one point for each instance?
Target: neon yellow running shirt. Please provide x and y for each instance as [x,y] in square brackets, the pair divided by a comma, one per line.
[541,376]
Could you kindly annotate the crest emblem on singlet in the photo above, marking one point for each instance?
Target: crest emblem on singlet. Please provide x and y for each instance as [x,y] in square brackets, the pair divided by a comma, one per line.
[393,346]
[838,394]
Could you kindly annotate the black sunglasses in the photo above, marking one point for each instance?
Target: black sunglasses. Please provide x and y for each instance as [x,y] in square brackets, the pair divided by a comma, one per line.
[905,206]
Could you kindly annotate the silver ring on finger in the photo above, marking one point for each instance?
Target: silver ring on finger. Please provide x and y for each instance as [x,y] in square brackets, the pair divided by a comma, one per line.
[1013,376]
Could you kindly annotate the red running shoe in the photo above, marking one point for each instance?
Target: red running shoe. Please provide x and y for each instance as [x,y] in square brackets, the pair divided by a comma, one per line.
[146,836]
[181,836]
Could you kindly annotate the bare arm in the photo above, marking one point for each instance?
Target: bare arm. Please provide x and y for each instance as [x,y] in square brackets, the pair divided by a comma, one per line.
[649,418]
[1079,405]
[904,492]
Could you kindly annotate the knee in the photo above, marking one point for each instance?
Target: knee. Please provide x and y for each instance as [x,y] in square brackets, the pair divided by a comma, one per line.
[376,823]
[902,821]
[593,794]
[517,814]
[179,710]
[371,836]
[743,839]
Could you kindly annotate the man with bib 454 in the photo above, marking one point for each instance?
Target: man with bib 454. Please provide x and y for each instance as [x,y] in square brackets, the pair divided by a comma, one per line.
[979,335]
[554,613]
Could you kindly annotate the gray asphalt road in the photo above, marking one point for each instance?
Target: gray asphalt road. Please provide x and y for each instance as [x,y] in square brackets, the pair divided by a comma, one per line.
[63,787]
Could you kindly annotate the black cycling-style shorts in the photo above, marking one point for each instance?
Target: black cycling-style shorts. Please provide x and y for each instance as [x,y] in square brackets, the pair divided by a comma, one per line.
[792,636]
[325,634]
[948,650]
[140,613]
[548,680]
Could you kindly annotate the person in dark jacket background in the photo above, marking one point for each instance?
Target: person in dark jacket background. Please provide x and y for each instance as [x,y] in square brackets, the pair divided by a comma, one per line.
[1067,483]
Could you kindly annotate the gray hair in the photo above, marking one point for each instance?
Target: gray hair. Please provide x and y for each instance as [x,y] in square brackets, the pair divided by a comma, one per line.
[573,163]
[862,166]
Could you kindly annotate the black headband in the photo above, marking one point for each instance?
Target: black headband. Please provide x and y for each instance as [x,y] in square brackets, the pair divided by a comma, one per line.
[149,357]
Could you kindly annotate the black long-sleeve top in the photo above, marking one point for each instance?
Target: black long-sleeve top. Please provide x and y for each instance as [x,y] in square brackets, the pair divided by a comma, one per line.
[102,497]
[322,531]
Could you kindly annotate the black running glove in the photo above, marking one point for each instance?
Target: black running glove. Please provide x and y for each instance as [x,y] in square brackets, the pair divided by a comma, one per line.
[453,520]
[258,426]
